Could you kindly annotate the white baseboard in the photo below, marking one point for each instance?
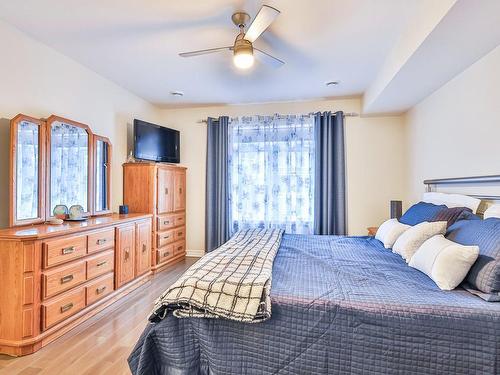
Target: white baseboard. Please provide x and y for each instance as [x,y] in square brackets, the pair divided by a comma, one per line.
[195,253]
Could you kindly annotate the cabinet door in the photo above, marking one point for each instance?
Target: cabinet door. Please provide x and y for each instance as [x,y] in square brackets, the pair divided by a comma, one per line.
[143,248]
[165,191]
[125,248]
[180,190]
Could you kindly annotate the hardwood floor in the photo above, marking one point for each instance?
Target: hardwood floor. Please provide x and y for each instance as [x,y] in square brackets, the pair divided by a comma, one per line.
[102,344]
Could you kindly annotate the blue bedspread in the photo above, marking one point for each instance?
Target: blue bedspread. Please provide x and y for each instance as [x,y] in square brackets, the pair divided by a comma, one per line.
[340,305]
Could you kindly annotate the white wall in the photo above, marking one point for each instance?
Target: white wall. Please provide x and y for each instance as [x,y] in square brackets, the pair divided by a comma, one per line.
[455,132]
[375,159]
[38,81]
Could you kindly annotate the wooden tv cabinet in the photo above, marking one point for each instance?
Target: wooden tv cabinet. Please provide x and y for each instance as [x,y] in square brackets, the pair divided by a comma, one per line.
[54,277]
[159,189]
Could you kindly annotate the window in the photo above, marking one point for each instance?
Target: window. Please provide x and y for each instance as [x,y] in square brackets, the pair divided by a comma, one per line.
[271,173]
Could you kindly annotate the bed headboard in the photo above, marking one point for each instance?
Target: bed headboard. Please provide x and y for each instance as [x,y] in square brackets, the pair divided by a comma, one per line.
[486,188]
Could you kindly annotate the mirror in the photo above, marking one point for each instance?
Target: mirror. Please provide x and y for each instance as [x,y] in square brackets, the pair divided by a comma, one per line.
[56,162]
[27,148]
[102,158]
[69,164]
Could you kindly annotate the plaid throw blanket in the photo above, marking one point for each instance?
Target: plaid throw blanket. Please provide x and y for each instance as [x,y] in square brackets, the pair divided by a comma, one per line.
[233,281]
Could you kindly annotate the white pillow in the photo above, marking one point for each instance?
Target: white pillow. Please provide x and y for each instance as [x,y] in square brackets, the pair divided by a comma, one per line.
[409,242]
[452,200]
[444,261]
[389,232]
[492,211]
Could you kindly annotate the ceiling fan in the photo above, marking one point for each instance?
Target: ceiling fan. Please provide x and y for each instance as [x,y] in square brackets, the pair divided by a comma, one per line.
[243,49]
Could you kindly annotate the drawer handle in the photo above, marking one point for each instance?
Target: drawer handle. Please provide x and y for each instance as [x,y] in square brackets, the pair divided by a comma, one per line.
[166,237]
[179,233]
[68,250]
[144,247]
[101,241]
[166,254]
[126,254]
[100,290]
[166,222]
[179,248]
[180,190]
[101,263]
[66,307]
[166,191]
[66,279]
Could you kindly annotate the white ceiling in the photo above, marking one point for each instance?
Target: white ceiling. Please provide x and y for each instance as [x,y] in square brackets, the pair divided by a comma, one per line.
[442,41]
[136,44]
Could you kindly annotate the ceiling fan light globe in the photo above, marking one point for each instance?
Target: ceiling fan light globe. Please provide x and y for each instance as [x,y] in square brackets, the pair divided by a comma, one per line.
[243,60]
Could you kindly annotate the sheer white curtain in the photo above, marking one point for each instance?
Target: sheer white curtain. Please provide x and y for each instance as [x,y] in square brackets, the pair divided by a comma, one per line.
[271,172]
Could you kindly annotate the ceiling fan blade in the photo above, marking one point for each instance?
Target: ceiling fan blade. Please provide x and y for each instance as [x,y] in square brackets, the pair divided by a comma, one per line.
[261,22]
[267,58]
[204,51]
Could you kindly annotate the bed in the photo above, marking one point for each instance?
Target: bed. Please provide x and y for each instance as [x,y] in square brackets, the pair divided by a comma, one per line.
[340,305]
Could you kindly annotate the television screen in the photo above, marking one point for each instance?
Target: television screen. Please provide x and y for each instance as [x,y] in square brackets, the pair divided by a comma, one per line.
[156,143]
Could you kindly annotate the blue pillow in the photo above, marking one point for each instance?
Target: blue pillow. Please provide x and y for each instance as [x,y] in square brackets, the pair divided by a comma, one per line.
[485,273]
[423,211]
[420,212]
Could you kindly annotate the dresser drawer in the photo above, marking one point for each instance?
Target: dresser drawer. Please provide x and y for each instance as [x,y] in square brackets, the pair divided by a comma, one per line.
[100,264]
[165,222]
[101,240]
[62,307]
[63,250]
[99,288]
[165,238]
[180,219]
[180,234]
[164,254]
[179,247]
[62,278]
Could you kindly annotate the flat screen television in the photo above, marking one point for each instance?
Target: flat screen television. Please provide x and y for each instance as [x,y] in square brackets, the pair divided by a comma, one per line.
[156,143]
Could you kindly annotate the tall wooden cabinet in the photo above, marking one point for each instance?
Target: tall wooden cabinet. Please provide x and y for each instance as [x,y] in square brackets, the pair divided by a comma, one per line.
[159,189]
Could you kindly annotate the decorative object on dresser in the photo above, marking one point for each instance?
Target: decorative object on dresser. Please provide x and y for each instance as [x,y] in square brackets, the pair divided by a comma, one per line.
[372,231]
[60,211]
[159,189]
[396,209]
[76,213]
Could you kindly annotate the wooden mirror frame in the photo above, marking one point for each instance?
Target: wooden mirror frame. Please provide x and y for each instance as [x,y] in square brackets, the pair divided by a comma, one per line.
[44,209]
[90,173]
[108,173]
[13,221]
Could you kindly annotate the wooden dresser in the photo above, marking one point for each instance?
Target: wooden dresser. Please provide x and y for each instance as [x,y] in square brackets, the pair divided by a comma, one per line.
[53,277]
[159,189]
